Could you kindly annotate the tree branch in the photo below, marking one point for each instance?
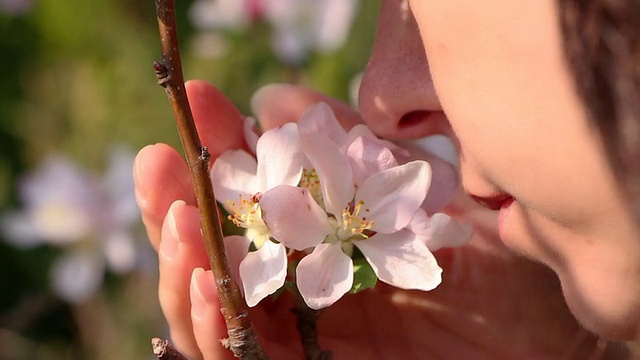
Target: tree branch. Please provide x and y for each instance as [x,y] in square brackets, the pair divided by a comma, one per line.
[243,340]
[306,325]
[165,351]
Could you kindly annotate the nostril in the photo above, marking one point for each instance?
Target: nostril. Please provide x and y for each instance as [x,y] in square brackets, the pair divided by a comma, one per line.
[412,119]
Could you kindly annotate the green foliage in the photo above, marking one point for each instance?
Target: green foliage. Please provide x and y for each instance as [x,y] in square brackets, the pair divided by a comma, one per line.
[363,275]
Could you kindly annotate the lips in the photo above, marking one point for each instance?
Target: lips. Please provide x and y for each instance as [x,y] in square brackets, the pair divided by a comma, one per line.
[493,202]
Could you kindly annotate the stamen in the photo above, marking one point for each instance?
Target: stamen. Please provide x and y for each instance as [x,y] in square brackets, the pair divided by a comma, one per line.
[311,182]
[353,225]
[246,212]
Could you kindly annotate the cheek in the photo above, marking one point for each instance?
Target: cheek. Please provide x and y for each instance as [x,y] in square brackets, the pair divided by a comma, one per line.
[499,73]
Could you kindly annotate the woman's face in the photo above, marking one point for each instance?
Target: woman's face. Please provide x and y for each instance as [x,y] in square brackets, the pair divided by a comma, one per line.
[494,77]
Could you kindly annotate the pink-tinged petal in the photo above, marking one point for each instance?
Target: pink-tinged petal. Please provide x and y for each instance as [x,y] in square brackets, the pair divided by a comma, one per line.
[293,217]
[237,248]
[334,19]
[234,174]
[279,157]
[445,181]
[364,131]
[368,157]
[251,134]
[319,119]
[119,250]
[420,224]
[360,130]
[333,168]
[324,276]
[402,260]
[445,231]
[439,145]
[445,178]
[263,272]
[391,197]
[77,275]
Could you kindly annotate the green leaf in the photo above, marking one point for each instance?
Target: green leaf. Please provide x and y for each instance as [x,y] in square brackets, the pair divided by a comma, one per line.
[363,275]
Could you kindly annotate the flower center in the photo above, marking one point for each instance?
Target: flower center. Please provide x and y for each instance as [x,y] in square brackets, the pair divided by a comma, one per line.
[311,182]
[246,213]
[354,226]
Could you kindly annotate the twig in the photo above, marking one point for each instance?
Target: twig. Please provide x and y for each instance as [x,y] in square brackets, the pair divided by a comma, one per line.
[165,351]
[243,340]
[306,324]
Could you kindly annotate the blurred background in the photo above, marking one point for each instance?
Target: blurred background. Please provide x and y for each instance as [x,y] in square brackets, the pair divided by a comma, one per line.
[78,99]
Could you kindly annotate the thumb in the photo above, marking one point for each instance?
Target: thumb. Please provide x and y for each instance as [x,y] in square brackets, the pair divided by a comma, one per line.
[219,123]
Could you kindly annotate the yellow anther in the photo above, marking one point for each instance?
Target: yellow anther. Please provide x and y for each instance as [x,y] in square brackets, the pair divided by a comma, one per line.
[353,225]
[245,212]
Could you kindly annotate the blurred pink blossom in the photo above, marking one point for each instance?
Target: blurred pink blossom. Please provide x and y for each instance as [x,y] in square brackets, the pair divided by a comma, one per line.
[94,220]
[299,26]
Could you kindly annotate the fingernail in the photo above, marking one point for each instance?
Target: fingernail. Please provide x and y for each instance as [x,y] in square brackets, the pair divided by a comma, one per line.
[137,176]
[203,292]
[170,236]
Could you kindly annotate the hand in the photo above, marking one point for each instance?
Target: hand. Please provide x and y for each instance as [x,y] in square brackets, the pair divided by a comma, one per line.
[490,305]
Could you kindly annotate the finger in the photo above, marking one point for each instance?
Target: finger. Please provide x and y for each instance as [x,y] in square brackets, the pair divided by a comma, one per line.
[161,177]
[208,324]
[219,123]
[277,104]
[181,250]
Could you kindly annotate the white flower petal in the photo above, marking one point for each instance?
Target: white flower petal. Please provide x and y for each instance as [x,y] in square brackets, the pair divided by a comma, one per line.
[440,146]
[367,157]
[402,260]
[119,187]
[263,272]
[279,157]
[63,202]
[18,230]
[334,18]
[363,130]
[324,276]
[219,14]
[120,251]
[393,196]
[250,133]
[59,222]
[234,174]
[237,248]
[445,231]
[293,217]
[420,224]
[59,177]
[76,276]
[319,119]
[333,168]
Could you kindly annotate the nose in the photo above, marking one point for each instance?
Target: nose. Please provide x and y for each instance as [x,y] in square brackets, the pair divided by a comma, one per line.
[397,99]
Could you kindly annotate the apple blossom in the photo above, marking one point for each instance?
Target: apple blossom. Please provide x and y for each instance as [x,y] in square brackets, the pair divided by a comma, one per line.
[239,180]
[374,221]
[94,220]
[322,192]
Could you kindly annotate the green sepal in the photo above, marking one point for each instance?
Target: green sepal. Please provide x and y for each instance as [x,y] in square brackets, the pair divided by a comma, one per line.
[363,275]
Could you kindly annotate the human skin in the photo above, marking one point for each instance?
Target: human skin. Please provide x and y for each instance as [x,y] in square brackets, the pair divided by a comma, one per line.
[501,78]
[497,73]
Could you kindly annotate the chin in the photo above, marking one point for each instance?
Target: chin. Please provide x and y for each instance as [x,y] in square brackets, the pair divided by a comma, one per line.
[609,315]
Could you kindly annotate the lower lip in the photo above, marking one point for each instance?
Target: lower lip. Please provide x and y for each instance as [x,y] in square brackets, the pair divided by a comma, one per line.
[503,214]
